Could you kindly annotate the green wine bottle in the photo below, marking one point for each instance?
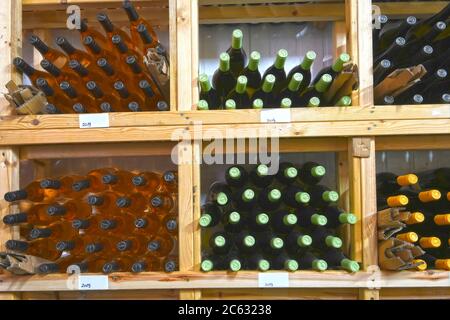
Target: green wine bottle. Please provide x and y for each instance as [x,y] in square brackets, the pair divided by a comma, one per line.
[265,93]
[258,104]
[334,69]
[202,105]
[252,73]
[318,89]
[345,101]
[292,91]
[208,93]
[238,57]
[223,80]
[314,102]
[304,69]
[286,103]
[240,95]
[230,104]
[277,70]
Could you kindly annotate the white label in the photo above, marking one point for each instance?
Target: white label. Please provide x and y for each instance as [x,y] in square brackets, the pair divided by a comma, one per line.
[276,115]
[93,283]
[94,120]
[273,280]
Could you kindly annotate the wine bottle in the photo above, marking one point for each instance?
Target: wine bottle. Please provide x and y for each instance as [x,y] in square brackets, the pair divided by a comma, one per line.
[286,103]
[266,93]
[317,90]
[380,21]
[230,104]
[208,93]
[212,262]
[246,242]
[258,262]
[392,30]
[277,70]
[32,192]
[260,177]
[304,68]
[384,202]
[146,182]
[135,22]
[75,54]
[410,237]
[309,217]
[270,244]
[323,239]
[146,263]
[244,198]
[31,72]
[36,215]
[258,220]
[161,245]
[220,243]
[336,259]
[287,173]
[58,266]
[251,72]
[424,26]
[58,58]
[382,70]
[223,80]
[238,57]
[391,52]
[118,264]
[44,248]
[297,243]
[283,222]
[308,261]
[58,74]
[236,176]
[334,70]
[232,222]
[258,104]
[220,194]
[99,38]
[295,197]
[336,217]
[111,30]
[389,183]
[434,263]
[118,224]
[270,199]
[60,230]
[87,101]
[345,101]
[99,51]
[322,196]
[161,203]
[292,91]
[284,262]
[240,95]
[146,224]
[311,173]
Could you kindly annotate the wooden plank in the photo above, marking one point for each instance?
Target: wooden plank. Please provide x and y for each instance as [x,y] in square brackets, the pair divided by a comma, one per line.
[355,201]
[196,181]
[339,37]
[184,51]
[173,39]
[415,293]
[413,142]
[64,151]
[195,53]
[416,8]
[120,295]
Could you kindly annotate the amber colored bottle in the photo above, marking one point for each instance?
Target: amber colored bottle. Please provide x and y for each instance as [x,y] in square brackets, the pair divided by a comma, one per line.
[133,245]
[55,96]
[148,41]
[170,264]
[118,224]
[32,192]
[87,103]
[170,225]
[123,49]
[86,31]
[148,224]
[61,230]
[170,181]
[98,51]
[75,54]
[112,30]
[43,248]
[146,263]
[69,210]
[58,58]
[104,203]
[116,74]
[120,263]
[102,246]
[92,182]
[31,72]
[76,246]
[36,215]
[60,265]
[119,181]
[147,182]
[87,74]
[63,185]
[90,225]
[161,204]
[128,97]
[139,71]
[160,245]
[60,75]
[92,263]
[134,203]
[135,21]
[151,100]
[102,96]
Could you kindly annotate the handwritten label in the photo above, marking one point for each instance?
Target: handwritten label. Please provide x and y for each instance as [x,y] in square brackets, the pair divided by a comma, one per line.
[273,280]
[93,283]
[94,120]
[276,115]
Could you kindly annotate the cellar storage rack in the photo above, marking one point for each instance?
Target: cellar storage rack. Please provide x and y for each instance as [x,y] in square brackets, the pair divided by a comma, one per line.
[354,133]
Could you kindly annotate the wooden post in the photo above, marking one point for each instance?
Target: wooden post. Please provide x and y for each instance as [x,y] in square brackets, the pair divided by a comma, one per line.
[196,176]
[173,40]
[184,51]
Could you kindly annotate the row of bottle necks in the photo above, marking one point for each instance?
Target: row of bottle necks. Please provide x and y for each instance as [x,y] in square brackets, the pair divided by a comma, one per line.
[110,76]
[238,84]
[411,42]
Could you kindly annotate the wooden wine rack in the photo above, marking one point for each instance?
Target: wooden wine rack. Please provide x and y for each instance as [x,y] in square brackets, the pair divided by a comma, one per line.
[353,133]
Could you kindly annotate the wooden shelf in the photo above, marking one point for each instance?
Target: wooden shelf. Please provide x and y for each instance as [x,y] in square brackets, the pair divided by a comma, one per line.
[223,280]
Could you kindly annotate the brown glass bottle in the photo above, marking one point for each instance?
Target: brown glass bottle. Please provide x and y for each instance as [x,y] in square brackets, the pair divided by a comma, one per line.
[76,246]
[102,246]
[111,30]
[134,203]
[55,96]
[161,204]
[170,182]
[146,263]
[88,74]
[140,73]
[36,215]
[134,245]
[170,225]
[92,182]
[148,41]
[32,73]
[90,225]
[116,74]
[81,103]
[75,54]
[62,186]
[86,31]
[118,224]
[32,192]
[124,49]
[104,203]
[60,265]
[119,181]
[118,264]
[92,263]
[61,230]
[60,75]
[58,58]
[147,182]
[160,245]
[151,100]
[102,96]
[98,51]
[44,248]
[135,22]
[128,97]
[70,210]
[147,224]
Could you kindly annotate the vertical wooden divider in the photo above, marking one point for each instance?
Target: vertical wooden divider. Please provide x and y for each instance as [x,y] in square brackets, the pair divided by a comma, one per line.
[197,192]
[173,54]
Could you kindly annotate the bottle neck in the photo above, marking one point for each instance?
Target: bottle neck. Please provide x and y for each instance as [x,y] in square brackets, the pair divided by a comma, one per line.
[224,62]
[338,65]
[131,11]
[105,66]
[308,60]
[68,90]
[94,89]
[132,62]
[39,45]
[65,45]
[236,41]
[280,59]
[145,35]
[146,88]
[254,60]
[92,45]
[50,68]
[119,86]
[105,22]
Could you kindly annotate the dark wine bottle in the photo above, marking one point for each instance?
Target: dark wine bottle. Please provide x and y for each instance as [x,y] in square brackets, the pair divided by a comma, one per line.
[240,94]
[245,242]
[223,80]
[283,262]
[244,198]
[337,259]
[322,196]
[311,173]
[260,177]
[270,243]
[287,173]
[283,222]
[323,239]
[211,215]
[208,93]
[277,70]
[236,176]
[308,261]
[266,93]
[304,68]
[317,90]
[233,222]
[252,73]
[390,183]
[258,220]
[297,243]
[336,217]
[309,217]
[295,197]
[220,194]
[334,70]
[392,30]
[258,262]
[238,57]
[270,199]
[292,91]
[220,243]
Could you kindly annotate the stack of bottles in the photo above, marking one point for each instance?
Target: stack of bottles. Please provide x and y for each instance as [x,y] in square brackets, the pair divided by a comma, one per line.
[426,195]
[108,220]
[238,84]
[285,221]
[408,43]
[108,76]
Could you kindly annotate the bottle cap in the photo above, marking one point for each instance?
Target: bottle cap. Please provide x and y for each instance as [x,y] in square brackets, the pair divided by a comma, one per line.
[140,223]
[16,218]
[204,82]
[333,242]
[442,264]
[319,265]
[290,172]
[123,202]
[154,245]
[234,173]
[318,171]
[124,245]
[249,241]
[268,83]
[258,104]
[138,267]
[220,241]
[236,42]
[416,218]
[248,195]
[253,63]
[319,220]
[224,64]
[241,84]
[304,241]
[430,242]
[274,195]
[230,104]
[235,265]
[262,219]
[110,267]
[345,101]
[202,105]
[291,265]
[263,265]
[430,196]
[234,218]
[262,170]
[350,265]
[347,218]
[397,201]
[170,266]
[171,225]
[314,102]
[442,219]
[286,103]
[47,268]
[410,237]
[281,58]
[276,243]
[302,197]
[207,265]
[330,196]
[222,199]
[205,220]
[290,220]
[421,265]
[308,60]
